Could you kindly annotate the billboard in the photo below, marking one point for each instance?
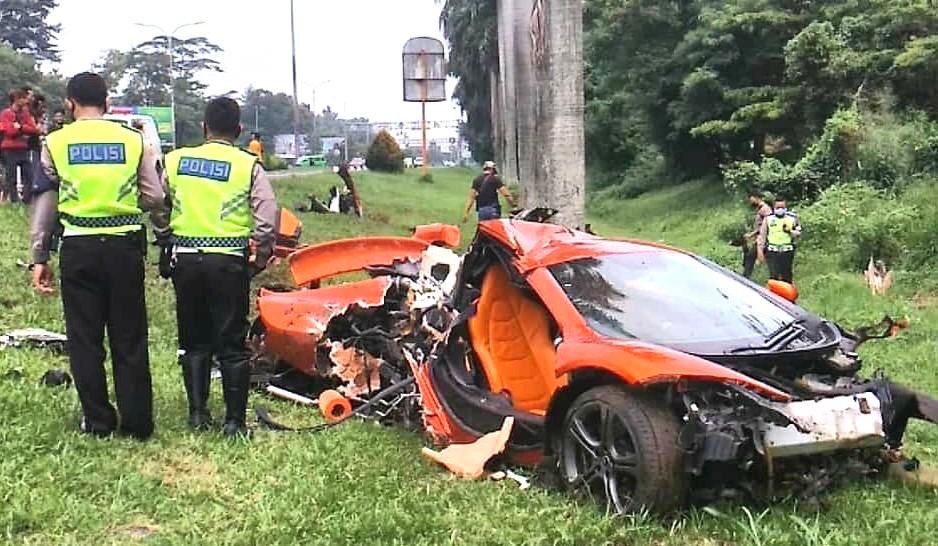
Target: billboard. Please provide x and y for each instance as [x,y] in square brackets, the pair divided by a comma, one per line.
[162,115]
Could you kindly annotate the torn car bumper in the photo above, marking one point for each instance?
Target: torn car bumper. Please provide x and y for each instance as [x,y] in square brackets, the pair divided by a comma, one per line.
[826,424]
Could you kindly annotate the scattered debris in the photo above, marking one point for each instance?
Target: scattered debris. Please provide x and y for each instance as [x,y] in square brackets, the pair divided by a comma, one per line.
[468,460]
[34,338]
[877,277]
[910,471]
[335,408]
[344,201]
[523,482]
[56,378]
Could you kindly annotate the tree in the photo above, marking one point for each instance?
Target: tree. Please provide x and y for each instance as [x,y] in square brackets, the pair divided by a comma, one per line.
[470,27]
[145,74]
[25,28]
[560,168]
[384,154]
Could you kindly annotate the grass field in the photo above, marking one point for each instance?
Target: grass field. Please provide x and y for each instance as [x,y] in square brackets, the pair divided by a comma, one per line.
[361,484]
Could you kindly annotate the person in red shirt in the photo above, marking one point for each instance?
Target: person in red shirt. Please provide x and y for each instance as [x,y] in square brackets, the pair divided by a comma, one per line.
[17,125]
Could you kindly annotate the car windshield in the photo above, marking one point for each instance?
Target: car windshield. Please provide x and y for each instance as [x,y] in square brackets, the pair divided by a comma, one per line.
[670,299]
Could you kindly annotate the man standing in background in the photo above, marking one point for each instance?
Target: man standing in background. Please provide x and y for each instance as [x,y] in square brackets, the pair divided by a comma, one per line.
[777,242]
[17,125]
[484,193]
[256,147]
[750,250]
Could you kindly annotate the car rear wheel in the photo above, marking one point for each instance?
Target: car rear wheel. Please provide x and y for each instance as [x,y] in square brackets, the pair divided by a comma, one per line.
[621,449]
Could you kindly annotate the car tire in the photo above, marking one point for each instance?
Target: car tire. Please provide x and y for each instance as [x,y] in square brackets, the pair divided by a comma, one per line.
[620,449]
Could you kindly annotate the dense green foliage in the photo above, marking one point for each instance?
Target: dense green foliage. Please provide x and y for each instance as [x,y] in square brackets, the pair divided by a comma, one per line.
[471,29]
[24,27]
[384,154]
[680,88]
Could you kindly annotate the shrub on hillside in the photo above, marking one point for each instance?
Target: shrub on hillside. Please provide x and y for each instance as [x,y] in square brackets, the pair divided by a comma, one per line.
[274,163]
[827,162]
[646,173]
[384,154]
[858,221]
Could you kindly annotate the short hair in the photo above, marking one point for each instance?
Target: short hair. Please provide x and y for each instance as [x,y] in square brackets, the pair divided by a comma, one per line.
[39,97]
[87,89]
[17,94]
[756,192]
[223,117]
[255,134]
[58,111]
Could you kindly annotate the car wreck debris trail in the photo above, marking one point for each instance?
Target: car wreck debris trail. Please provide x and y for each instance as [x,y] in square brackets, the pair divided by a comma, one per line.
[468,460]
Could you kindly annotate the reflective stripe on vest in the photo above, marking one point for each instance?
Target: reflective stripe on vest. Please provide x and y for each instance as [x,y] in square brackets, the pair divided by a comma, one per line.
[97,162]
[777,238]
[211,192]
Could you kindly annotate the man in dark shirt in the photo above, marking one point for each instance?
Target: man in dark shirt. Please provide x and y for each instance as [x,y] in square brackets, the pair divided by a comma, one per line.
[763,210]
[484,193]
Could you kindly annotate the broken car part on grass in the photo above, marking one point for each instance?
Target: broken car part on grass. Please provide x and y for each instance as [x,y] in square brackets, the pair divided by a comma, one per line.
[638,374]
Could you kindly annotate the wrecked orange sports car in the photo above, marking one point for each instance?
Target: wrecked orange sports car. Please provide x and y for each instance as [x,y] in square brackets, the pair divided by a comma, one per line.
[638,374]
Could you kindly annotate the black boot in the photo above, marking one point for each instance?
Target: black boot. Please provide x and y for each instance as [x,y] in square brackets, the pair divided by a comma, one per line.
[196,375]
[236,378]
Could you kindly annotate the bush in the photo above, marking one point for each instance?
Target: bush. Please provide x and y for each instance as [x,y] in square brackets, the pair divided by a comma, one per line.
[858,221]
[274,163]
[384,154]
[646,173]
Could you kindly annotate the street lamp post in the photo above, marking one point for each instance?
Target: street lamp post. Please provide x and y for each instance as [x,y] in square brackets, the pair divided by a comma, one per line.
[313,106]
[296,102]
[172,65]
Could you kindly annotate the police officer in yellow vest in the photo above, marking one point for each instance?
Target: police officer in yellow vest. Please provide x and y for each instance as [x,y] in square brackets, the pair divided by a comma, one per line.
[105,180]
[222,224]
[776,242]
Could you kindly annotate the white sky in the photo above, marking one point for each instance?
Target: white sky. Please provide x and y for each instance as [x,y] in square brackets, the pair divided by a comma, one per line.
[356,44]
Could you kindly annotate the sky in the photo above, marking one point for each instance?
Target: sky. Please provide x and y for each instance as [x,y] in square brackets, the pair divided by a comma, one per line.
[348,51]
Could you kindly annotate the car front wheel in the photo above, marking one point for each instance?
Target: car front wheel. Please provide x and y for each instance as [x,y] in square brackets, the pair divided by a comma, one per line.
[620,448]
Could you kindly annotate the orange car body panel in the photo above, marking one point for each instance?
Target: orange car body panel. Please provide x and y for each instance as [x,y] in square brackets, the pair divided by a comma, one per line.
[446,234]
[295,321]
[317,262]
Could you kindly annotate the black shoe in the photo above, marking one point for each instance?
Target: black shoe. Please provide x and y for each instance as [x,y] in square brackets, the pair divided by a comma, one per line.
[139,435]
[235,430]
[236,379]
[86,428]
[196,376]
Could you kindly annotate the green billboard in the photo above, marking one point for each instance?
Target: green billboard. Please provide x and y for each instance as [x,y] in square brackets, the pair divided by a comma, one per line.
[162,115]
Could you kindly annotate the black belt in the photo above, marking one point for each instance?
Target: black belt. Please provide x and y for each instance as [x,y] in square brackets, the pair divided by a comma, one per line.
[127,220]
[212,242]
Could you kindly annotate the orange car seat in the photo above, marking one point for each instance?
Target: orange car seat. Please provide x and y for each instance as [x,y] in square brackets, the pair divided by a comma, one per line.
[510,334]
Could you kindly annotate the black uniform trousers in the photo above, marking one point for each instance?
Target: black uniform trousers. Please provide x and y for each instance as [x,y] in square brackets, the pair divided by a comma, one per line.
[781,265]
[212,301]
[102,289]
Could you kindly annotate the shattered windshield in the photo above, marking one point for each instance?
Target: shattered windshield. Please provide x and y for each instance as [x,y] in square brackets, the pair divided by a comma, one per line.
[667,298]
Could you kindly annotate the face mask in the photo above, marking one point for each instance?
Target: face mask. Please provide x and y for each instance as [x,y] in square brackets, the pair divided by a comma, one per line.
[780,212]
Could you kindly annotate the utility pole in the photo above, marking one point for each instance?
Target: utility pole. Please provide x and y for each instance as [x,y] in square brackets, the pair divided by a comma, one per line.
[257,115]
[296,103]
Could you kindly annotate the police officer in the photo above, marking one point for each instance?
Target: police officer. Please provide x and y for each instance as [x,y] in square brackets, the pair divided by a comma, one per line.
[103,180]
[776,241]
[222,206]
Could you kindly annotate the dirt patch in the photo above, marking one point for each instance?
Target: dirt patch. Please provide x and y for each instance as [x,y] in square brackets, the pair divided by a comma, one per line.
[135,531]
[925,300]
[378,217]
[185,472]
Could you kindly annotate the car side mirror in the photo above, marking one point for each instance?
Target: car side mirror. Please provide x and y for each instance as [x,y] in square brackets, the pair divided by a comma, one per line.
[783,290]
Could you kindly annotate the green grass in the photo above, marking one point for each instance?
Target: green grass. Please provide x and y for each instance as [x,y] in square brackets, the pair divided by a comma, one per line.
[363,484]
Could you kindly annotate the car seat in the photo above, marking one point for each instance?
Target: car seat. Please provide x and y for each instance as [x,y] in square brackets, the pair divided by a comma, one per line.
[510,334]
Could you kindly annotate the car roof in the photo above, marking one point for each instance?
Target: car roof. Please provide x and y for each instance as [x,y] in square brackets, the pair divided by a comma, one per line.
[542,245]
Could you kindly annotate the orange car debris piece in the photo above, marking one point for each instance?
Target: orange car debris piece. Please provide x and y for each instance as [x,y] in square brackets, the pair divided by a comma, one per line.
[318,262]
